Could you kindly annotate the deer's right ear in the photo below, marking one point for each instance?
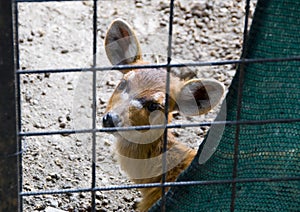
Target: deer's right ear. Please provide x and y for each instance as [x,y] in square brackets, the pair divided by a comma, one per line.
[121,44]
[198,97]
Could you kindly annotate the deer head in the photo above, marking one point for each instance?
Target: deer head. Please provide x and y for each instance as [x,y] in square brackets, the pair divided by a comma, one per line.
[139,99]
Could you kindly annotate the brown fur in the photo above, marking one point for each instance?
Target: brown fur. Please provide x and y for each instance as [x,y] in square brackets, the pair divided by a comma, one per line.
[152,81]
[140,152]
[181,153]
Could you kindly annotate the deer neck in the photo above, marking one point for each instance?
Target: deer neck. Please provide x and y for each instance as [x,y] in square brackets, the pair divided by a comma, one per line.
[143,162]
[140,150]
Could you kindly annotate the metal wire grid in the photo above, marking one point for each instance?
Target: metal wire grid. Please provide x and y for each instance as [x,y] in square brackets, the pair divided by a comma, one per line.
[168,66]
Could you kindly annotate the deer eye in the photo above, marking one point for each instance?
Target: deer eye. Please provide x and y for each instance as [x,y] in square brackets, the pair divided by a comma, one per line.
[152,106]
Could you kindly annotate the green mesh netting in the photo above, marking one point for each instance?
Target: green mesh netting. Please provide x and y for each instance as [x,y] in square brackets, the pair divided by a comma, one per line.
[270,91]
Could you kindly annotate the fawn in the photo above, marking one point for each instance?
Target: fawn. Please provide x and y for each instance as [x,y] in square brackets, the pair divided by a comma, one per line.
[139,99]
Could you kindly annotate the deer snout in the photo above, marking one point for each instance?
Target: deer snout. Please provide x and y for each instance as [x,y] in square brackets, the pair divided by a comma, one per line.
[111,119]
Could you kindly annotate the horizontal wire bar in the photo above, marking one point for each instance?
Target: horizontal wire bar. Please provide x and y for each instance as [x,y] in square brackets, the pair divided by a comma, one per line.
[167,184]
[172,65]
[150,127]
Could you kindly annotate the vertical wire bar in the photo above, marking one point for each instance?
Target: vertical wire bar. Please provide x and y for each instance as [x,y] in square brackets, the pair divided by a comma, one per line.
[239,107]
[18,105]
[165,140]
[94,106]
[9,184]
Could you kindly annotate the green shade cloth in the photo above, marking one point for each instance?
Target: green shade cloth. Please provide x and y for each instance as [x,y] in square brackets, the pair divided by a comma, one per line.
[270,91]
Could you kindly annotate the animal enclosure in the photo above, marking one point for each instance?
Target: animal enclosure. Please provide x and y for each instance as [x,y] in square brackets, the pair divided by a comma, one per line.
[63,83]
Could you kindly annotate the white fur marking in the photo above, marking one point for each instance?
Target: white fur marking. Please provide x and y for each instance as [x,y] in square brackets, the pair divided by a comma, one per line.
[137,104]
[124,96]
[159,96]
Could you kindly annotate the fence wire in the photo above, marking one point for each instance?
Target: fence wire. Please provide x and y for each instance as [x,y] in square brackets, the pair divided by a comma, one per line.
[94,130]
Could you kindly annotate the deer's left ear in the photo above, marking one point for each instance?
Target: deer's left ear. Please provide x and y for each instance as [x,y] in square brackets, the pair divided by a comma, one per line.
[197,96]
[121,44]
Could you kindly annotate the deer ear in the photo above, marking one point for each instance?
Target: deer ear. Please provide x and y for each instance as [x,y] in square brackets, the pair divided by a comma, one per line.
[121,44]
[197,96]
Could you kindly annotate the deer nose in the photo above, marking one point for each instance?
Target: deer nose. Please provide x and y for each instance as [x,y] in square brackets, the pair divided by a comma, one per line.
[111,120]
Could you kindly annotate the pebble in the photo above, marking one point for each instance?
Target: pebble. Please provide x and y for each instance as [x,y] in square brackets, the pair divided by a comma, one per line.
[139,4]
[107,143]
[53,203]
[40,206]
[30,39]
[199,131]
[64,51]
[105,202]
[110,83]
[102,101]
[53,209]
[67,186]
[62,125]
[82,195]
[99,195]
[200,5]
[72,157]
[58,162]
[163,5]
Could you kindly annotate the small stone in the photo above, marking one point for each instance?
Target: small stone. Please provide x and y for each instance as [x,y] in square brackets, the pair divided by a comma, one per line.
[53,209]
[199,132]
[100,158]
[58,162]
[107,143]
[30,39]
[139,4]
[36,177]
[64,51]
[53,203]
[67,186]
[72,157]
[128,198]
[60,119]
[163,23]
[100,196]
[68,117]
[48,178]
[110,83]
[41,32]
[163,5]
[82,195]
[198,7]
[231,73]
[105,202]
[62,125]
[47,75]
[40,206]
[101,101]
[54,175]
[184,5]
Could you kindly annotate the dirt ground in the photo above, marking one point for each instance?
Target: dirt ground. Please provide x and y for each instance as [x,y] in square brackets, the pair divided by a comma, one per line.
[58,35]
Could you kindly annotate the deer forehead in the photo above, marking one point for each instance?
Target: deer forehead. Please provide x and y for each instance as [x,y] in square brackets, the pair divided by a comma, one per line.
[138,86]
[146,78]
[152,80]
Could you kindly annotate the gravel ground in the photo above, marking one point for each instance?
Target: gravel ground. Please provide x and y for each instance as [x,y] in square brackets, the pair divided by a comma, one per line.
[58,35]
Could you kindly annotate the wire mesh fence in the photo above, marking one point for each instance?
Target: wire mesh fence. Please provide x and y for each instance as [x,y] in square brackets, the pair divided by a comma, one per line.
[94,129]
